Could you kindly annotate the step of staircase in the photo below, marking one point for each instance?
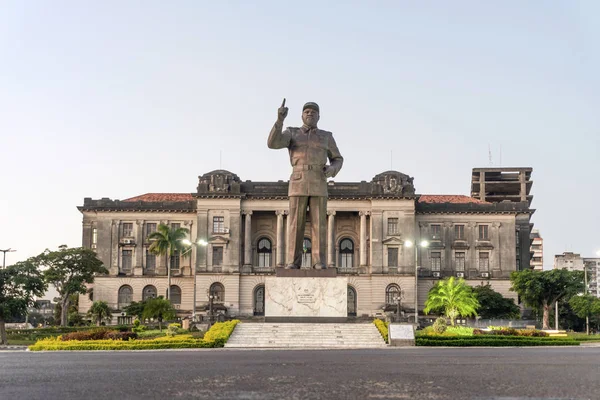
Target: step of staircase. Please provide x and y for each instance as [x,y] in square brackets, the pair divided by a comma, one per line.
[305,335]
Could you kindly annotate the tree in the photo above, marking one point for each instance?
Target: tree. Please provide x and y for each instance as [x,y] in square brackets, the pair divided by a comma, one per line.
[540,289]
[493,305]
[136,308]
[160,309]
[100,311]
[19,285]
[167,242]
[69,270]
[585,306]
[452,296]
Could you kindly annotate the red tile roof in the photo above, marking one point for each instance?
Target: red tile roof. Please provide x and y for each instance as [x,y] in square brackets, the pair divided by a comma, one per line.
[158,197]
[449,198]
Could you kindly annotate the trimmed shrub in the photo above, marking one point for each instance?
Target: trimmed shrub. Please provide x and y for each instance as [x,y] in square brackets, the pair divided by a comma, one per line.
[221,331]
[121,335]
[382,326]
[440,325]
[219,334]
[510,332]
[97,334]
[173,329]
[52,344]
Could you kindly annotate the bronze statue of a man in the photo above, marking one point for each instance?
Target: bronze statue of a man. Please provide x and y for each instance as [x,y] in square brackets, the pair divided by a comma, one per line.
[309,149]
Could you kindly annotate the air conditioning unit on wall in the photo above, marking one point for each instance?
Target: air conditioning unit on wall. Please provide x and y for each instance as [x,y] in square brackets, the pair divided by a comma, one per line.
[436,274]
[460,274]
[485,274]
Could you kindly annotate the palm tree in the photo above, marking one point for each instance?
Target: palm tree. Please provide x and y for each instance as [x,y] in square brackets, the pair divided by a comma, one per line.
[167,241]
[100,311]
[455,297]
[159,308]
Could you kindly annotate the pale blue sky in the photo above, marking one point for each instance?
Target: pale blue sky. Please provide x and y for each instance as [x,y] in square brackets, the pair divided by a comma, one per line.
[120,98]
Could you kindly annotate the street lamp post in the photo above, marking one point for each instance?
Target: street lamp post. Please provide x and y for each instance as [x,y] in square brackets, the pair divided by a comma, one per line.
[424,243]
[210,309]
[398,301]
[203,243]
[9,250]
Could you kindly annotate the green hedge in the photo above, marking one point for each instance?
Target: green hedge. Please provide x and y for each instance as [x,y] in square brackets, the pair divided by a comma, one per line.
[221,330]
[53,345]
[493,342]
[217,336]
[382,326]
[491,337]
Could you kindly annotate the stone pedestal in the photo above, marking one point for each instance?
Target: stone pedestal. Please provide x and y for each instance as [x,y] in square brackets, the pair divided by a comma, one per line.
[305,299]
[401,334]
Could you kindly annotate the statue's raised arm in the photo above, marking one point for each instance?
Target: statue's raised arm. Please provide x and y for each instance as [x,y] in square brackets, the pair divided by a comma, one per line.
[277,138]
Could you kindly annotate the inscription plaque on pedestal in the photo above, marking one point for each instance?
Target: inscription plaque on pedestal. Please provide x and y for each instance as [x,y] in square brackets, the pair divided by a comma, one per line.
[306,297]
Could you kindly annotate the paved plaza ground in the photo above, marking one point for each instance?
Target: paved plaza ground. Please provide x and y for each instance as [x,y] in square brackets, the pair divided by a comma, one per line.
[411,373]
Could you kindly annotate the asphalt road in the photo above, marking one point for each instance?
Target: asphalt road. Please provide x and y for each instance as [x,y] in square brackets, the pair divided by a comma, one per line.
[410,373]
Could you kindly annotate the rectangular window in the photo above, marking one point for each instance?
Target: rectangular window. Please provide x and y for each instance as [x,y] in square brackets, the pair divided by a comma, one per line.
[393,226]
[459,257]
[483,232]
[436,261]
[459,232]
[175,261]
[126,258]
[127,229]
[94,235]
[150,228]
[175,225]
[392,257]
[219,224]
[484,261]
[150,261]
[217,255]
[436,232]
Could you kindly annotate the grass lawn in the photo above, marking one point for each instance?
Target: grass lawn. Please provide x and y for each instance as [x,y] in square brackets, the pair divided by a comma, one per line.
[20,342]
[582,337]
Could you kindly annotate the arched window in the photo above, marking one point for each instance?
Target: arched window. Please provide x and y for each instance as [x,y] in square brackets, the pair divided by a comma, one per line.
[391,293]
[264,251]
[306,253]
[259,300]
[346,253]
[351,301]
[125,296]
[175,294]
[149,292]
[217,290]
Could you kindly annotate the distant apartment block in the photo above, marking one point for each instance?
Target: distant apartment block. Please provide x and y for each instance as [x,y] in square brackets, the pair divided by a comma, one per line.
[537,251]
[574,262]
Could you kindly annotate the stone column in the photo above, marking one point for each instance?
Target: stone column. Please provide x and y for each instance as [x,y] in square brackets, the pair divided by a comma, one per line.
[280,241]
[191,255]
[114,257]
[247,239]
[139,248]
[471,260]
[363,238]
[331,239]
[482,186]
[497,252]
[448,234]
[287,234]
[202,233]
[523,183]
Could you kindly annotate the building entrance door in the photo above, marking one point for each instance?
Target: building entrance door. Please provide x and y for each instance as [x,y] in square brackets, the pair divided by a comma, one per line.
[351,302]
[259,300]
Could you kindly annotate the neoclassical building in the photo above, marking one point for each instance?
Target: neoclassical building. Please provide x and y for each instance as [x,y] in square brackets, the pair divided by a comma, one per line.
[242,224]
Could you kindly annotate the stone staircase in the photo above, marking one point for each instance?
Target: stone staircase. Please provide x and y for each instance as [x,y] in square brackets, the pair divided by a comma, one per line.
[305,335]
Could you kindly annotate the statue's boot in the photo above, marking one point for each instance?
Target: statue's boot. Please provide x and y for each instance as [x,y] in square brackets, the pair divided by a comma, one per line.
[320,266]
[292,266]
